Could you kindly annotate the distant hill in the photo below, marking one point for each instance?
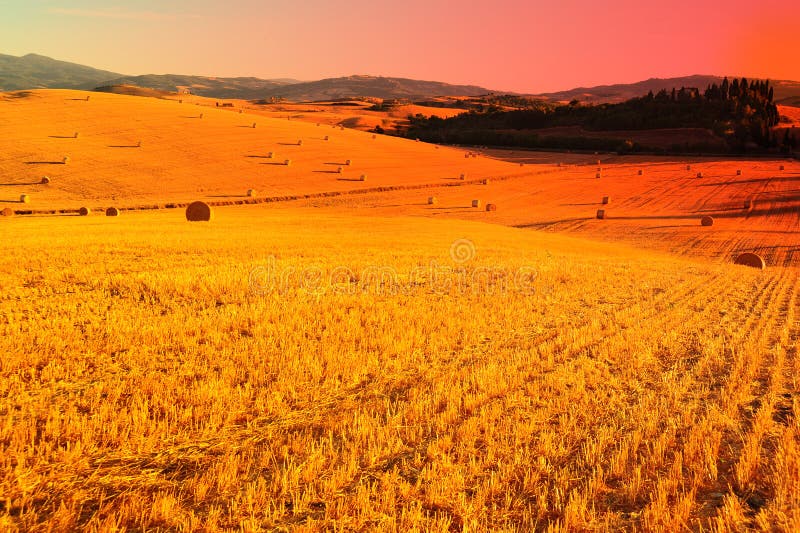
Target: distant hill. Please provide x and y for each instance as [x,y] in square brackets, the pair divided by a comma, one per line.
[33,71]
[245,88]
[786,92]
[372,86]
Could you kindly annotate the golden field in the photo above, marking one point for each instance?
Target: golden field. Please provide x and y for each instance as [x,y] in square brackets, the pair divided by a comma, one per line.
[370,361]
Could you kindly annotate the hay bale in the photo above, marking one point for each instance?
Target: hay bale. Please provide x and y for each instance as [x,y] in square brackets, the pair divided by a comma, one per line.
[601,214]
[24,198]
[782,167]
[641,172]
[597,176]
[65,160]
[432,200]
[699,174]
[338,170]
[76,135]
[363,177]
[738,172]
[326,137]
[84,211]
[198,212]
[288,162]
[299,142]
[254,125]
[112,212]
[476,203]
[484,181]
[491,207]
[251,192]
[522,164]
[707,221]
[466,156]
[201,115]
[462,177]
[374,136]
[7,212]
[45,180]
[240,111]
[750,259]
[270,155]
[605,200]
[347,163]
[87,98]
[688,167]
[748,204]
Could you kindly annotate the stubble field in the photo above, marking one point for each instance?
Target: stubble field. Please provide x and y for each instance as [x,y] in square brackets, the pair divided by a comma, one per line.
[371,361]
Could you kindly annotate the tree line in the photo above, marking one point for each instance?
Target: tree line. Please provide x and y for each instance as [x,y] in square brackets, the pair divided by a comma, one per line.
[740,112]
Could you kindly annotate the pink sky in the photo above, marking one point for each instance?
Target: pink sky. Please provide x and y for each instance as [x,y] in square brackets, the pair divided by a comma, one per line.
[504,45]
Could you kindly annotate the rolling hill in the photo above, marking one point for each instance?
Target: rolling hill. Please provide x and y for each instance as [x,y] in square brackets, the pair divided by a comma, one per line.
[34,71]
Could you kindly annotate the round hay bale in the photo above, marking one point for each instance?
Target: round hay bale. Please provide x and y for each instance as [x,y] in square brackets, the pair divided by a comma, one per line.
[65,160]
[462,177]
[251,192]
[466,156]
[138,144]
[7,212]
[240,111]
[597,176]
[338,170]
[750,259]
[601,214]
[45,180]
[599,169]
[491,207]
[641,172]
[738,172]
[84,211]
[432,200]
[782,167]
[707,221]
[112,212]
[522,164]
[363,177]
[76,135]
[326,137]
[270,155]
[300,142]
[484,181]
[24,198]
[288,162]
[748,204]
[348,162]
[699,174]
[476,203]
[198,212]
[254,125]
[688,167]
[374,136]
[605,200]
[201,115]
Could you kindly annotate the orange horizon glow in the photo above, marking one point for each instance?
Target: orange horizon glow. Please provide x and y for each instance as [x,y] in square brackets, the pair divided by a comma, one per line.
[508,45]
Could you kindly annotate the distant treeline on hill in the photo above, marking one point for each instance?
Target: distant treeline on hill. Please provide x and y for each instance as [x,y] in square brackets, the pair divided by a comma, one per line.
[741,112]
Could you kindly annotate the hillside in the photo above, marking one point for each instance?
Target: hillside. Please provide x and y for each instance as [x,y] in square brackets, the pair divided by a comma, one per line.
[219,157]
[372,86]
[242,88]
[33,71]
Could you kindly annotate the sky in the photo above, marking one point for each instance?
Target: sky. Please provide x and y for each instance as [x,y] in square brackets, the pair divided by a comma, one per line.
[508,45]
